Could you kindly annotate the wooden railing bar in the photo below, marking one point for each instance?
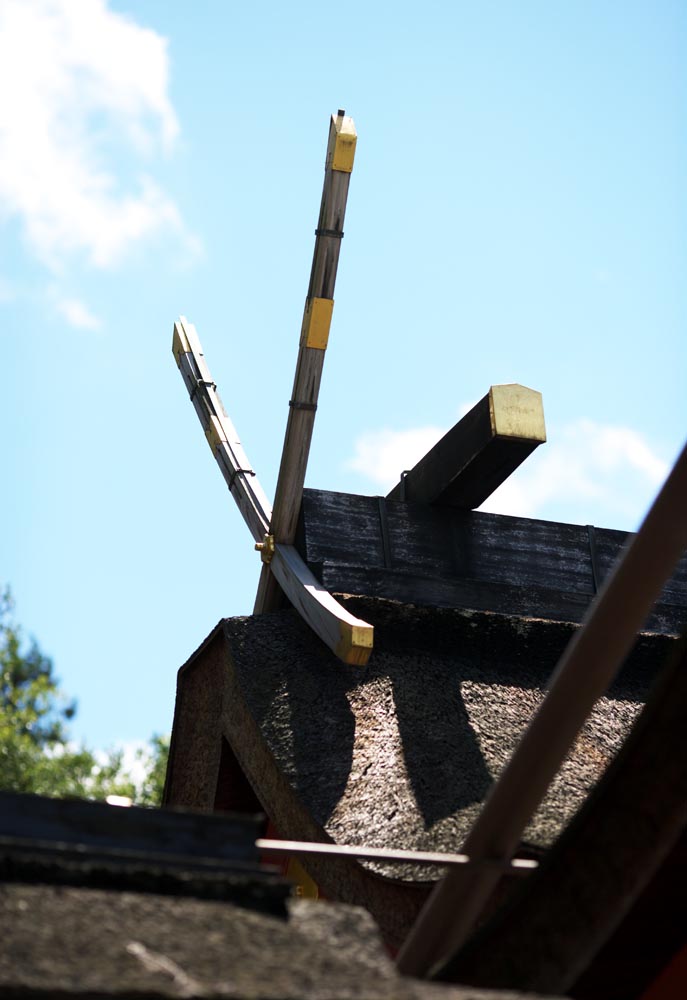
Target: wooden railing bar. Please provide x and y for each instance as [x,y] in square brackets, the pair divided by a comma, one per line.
[517,866]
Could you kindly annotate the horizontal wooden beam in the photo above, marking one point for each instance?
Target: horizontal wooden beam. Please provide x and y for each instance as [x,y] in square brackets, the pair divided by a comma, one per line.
[304,849]
[479,452]
[317,315]
[443,557]
[33,822]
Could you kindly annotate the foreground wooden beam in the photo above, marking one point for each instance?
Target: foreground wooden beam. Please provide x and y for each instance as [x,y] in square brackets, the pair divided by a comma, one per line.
[584,672]
[348,637]
[317,315]
[479,452]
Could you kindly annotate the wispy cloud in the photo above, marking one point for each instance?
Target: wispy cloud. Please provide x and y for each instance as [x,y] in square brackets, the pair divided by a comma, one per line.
[586,471]
[589,466]
[77,314]
[381,456]
[7,292]
[86,102]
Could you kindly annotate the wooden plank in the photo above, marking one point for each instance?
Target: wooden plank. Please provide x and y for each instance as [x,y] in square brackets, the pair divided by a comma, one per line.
[299,848]
[479,452]
[453,558]
[27,820]
[350,638]
[306,386]
[476,595]
[219,430]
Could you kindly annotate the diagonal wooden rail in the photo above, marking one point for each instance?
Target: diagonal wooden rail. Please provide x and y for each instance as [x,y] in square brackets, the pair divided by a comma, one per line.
[348,637]
[317,314]
[584,672]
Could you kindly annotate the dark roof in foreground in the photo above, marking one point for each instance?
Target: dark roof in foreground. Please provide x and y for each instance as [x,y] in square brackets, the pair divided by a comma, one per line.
[74,942]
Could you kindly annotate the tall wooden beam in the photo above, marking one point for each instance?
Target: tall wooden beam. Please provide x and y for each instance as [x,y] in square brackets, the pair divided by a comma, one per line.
[317,316]
[479,452]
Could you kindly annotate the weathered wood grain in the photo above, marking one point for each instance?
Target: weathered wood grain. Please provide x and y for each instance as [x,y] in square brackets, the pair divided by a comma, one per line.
[451,558]
[350,638]
[220,432]
[306,386]
[479,452]
[32,821]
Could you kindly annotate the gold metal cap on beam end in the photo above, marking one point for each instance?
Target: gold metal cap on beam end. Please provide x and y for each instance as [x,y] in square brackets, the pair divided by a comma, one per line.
[517,412]
[343,153]
[355,643]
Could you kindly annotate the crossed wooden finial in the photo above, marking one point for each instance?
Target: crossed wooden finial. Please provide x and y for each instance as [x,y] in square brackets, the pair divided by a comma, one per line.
[464,467]
[274,528]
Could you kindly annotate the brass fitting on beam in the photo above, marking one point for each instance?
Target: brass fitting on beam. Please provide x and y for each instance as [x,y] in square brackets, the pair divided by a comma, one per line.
[266,549]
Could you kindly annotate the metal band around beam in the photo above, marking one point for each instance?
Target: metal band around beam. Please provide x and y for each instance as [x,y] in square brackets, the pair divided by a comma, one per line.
[316,322]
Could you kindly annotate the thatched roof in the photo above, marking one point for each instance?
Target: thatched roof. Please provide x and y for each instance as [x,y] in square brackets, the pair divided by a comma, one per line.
[400,754]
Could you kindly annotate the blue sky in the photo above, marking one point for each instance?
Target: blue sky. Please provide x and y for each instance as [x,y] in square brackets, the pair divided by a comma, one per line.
[517,213]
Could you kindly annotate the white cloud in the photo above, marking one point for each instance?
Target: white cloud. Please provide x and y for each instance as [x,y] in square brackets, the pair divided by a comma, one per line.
[136,759]
[382,455]
[586,471]
[77,314]
[7,292]
[83,87]
[585,465]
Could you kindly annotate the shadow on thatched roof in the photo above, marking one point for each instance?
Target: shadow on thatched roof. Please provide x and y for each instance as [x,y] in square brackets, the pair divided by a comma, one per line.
[400,754]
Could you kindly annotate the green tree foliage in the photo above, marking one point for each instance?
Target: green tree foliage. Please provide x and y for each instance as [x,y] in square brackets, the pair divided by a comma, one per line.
[36,753]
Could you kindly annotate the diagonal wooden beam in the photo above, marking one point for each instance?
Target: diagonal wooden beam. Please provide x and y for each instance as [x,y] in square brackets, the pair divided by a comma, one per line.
[585,670]
[479,452]
[317,316]
[220,432]
[348,637]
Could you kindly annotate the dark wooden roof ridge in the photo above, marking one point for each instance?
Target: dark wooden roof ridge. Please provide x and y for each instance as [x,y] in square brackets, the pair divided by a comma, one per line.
[389,755]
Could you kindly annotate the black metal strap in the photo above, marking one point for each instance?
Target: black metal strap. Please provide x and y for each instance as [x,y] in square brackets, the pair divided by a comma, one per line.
[596,577]
[302,406]
[236,472]
[384,531]
[336,233]
[200,382]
